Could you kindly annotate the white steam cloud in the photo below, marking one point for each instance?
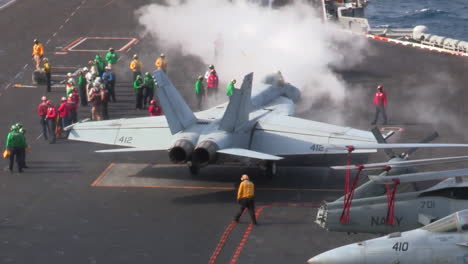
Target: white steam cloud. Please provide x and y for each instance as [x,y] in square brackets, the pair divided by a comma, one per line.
[241,36]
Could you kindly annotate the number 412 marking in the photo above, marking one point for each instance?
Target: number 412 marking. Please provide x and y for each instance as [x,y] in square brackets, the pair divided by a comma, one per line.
[126,140]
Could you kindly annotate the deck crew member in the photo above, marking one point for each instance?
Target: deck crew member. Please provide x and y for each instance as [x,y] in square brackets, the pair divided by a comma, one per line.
[245,197]
[380,102]
[111,57]
[200,91]
[138,88]
[37,53]
[47,70]
[15,144]
[42,112]
[161,63]
[230,88]
[51,118]
[136,66]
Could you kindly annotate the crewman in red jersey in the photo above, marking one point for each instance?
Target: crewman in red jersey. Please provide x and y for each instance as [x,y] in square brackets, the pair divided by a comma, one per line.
[42,112]
[380,102]
[51,118]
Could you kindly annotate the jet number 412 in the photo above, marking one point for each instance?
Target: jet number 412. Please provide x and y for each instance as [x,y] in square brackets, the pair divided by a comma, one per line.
[317,147]
[126,140]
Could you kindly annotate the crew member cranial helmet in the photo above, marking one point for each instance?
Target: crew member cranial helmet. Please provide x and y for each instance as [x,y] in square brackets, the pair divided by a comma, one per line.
[19,125]
[36,41]
[43,98]
[380,87]
[152,102]
[200,77]
[147,73]
[111,49]
[85,69]
[49,102]
[135,56]
[69,74]
[244,177]
[162,55]
[63,99]
[233,80]
[211,66]
[45,60]
[13,127]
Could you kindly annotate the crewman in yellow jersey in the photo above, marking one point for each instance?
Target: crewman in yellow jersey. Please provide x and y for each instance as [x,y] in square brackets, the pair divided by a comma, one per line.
[245,197]
[161,63]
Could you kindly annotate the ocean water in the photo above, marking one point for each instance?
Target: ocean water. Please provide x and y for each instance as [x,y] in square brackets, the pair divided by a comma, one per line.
[442,17]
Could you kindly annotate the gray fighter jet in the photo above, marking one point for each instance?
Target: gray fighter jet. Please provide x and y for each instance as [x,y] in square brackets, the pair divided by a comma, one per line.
[412,209]
[256,127]
[444,241]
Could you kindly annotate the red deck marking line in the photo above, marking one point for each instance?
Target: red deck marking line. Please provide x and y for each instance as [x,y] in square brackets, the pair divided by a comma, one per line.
[133,41]
[98,179]
[246,235]
[71,44]
[221,242]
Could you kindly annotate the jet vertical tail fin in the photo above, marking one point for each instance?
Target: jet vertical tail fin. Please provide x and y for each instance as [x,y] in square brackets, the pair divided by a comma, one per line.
[238,109]
[177,112]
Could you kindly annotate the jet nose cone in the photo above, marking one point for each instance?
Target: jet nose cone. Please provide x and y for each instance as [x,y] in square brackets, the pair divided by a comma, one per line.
[350,254]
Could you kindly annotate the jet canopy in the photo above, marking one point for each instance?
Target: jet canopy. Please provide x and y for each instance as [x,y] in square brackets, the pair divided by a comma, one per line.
[456,222]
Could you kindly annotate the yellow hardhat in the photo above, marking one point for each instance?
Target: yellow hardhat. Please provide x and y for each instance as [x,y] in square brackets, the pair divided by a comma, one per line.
[244,177]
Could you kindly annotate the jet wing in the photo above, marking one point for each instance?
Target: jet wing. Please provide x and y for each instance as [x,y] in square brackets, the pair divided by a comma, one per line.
[286,135]
[403,163]
[420,176]
[145,132]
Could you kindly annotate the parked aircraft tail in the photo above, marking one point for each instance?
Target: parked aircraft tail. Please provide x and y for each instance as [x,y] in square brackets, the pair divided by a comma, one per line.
[177,112]
[238,109]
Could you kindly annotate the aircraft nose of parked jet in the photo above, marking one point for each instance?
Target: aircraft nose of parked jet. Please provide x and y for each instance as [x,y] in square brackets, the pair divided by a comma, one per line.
[350,254]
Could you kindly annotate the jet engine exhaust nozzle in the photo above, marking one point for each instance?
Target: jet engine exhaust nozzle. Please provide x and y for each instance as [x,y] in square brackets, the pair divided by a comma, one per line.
[181,151]
[205,153]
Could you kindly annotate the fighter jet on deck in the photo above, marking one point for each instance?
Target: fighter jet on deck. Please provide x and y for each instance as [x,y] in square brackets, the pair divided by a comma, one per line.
[254,127]
[412,209]
[444,241]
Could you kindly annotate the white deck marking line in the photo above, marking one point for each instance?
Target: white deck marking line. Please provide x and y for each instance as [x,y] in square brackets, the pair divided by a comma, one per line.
[66,20]
[61,26]
[25,66]
[7,4]
[78,43]
[55,34]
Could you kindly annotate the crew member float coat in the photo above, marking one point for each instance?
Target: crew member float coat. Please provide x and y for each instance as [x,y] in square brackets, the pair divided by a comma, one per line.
[161,64]
[380,98]
[15,139]
[246,190]
[111,57]
[38,49]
